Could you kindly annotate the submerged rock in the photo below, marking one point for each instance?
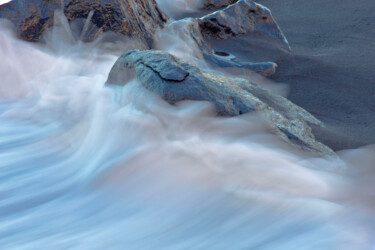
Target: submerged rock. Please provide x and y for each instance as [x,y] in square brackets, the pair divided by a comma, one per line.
[135,18]
[241,18]
[176,80]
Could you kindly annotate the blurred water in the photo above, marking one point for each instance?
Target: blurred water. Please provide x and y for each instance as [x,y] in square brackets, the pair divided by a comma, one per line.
[178,7]
[83,166]
[4,1]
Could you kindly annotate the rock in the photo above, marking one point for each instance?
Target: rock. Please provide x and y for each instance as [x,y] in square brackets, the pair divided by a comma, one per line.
[183,32]
[188,31]
[231,96]
[135,18]
[215,4]
[225,60]
[241,18]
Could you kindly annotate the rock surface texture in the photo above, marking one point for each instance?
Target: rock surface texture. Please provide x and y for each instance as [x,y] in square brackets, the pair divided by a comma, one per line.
[241,18]
[133,18]
[189,31]
[215,4]
[176,80]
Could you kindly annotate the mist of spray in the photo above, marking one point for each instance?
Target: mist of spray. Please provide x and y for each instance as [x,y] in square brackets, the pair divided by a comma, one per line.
[179,8]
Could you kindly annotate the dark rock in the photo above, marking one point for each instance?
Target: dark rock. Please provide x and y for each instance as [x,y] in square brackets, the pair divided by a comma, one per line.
[244,18]
[231,96]
[215,4]
[189,31]
[241,18]
[137,18]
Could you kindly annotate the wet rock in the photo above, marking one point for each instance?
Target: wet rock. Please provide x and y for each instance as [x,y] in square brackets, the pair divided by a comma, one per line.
[231,96]
[223,60]
[135,18]
[188,31]
[241,18]
[215,4]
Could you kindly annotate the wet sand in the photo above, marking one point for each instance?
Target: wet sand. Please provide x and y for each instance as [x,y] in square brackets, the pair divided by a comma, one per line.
[331,71]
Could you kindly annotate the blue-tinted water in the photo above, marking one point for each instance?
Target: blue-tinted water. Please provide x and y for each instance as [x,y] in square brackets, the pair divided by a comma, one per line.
[83,166]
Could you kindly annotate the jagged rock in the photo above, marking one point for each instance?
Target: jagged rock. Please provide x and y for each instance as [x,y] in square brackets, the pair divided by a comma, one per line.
[134,18]
[176,80]
[215,4]
[241,18]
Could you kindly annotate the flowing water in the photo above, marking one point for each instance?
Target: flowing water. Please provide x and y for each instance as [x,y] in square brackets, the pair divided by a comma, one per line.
[178,6]
[85,166]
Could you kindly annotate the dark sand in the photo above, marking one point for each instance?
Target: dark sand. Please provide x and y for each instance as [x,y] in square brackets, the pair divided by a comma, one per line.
[331,72]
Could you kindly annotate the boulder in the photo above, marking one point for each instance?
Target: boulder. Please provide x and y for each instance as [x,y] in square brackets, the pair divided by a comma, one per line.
[135,18]
[241,18]
[176,80]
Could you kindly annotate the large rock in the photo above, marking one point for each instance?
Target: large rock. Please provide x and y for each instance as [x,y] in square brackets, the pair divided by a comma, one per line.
[243,17]
[136,18]
[176,80]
